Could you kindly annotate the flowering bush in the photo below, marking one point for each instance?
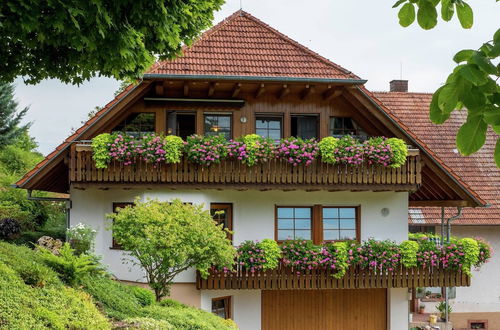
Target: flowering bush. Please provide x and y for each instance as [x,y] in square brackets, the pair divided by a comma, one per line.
[81,238]
[206,150]
[337,257]
[378,151]
[250,256]
[302,255]
[349,151]
[485,252]
[251,149]
[297,151]
[327,148]
[379,255]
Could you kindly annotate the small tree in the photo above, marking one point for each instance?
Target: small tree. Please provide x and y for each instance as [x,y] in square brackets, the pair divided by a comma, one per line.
[167,238]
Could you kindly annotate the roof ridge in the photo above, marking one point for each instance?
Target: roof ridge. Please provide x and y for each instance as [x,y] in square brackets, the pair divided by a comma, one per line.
[296,43]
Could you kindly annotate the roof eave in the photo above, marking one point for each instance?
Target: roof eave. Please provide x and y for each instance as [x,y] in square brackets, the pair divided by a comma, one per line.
[255,78]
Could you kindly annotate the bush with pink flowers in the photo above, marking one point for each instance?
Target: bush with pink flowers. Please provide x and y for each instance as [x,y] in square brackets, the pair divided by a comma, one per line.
[297,151]
[206,150]
[251,149]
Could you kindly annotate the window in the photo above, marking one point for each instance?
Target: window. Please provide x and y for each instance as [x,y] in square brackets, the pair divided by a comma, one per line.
[340,126]
[269,127]
[304,126]
[218,125]
[294,222]
[222,307]
[223,213]
[137,123]
[339,223]
[317,223]
[473,324]
[114,244]
[181,124]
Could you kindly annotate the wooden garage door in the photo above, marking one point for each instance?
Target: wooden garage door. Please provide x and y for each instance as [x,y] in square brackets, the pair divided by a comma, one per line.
[324,309]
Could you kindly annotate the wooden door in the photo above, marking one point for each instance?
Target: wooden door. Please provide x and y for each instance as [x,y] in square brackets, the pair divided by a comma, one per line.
[324,309]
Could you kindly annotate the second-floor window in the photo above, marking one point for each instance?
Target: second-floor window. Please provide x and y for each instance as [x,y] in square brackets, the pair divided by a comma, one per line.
[304,126]
[180,123]
[137,123]
[222,213]
[317,223]
[340,126]
[269,127]
[218,125]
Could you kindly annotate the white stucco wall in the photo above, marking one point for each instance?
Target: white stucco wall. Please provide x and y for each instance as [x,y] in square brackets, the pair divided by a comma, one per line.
[484,293]
[253,219]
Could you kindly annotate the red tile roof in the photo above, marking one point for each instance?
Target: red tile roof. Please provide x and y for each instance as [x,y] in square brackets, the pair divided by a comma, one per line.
[478,170]
[242,45]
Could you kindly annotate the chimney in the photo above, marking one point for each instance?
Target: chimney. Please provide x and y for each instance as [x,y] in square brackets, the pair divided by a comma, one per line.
[399,86]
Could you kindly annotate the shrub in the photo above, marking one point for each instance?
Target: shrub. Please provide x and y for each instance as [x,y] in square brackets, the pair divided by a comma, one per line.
[378,151]
[335,257]
[9,227]
[251,149]
[173,149]
[145,297]
[399,150]
[70,267]
[81,238]
[100,148]
[302,255]
[409,250]
[10,210]
[256,256]
[147,323]
[206,150]
[166,238]
[327,148]
[349,151]
[379,255]
[35,274]
[297,151]
[485,252]
[272,253]
[470,248]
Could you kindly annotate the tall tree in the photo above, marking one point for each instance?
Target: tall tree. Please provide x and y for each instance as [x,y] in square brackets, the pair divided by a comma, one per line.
[75,40]
[10,117]
[473,84]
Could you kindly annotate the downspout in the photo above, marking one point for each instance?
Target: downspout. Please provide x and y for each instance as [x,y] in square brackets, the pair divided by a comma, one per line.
[448,234]
[67,202]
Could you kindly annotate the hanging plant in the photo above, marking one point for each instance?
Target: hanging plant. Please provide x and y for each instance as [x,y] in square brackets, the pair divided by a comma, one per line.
[327,148]
[251,149]
[206,150]
[297,151]
[100,148]
[349,151]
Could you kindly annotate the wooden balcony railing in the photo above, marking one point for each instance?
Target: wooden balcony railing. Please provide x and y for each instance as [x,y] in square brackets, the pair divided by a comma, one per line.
[283,278]
[275,174]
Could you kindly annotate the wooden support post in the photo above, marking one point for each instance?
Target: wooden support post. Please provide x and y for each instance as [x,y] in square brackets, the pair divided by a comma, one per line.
[283,92]
[308,90]
[186,89]
[332,93]
[236,90]
[211,88]
[261,90]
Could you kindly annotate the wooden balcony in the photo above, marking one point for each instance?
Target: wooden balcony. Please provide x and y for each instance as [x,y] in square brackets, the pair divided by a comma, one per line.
[284,278]
[276,174]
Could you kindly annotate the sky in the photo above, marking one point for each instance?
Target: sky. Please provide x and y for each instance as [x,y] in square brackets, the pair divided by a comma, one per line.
[363,36]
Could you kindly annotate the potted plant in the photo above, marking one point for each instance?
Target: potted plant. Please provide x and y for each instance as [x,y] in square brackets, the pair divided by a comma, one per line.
[421,309]
[420,293]
[442,310]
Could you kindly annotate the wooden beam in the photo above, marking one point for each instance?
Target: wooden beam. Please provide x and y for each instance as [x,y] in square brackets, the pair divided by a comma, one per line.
[261,90]
[186,89]
[283,92]
[211,88]
[332,93]
[308,90]
[435,203]
[236,90]
[159,89]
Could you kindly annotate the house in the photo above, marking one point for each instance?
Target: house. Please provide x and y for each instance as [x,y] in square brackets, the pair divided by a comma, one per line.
[242,77]
[479,303]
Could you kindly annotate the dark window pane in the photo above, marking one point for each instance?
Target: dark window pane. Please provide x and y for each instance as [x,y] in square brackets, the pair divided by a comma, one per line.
[218,125]
[305,127]
[137,123]
[268,127]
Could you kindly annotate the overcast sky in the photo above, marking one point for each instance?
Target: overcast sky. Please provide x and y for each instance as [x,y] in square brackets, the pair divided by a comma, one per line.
[361,35]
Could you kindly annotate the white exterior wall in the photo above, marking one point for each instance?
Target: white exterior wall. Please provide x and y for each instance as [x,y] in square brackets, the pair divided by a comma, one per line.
[253,219]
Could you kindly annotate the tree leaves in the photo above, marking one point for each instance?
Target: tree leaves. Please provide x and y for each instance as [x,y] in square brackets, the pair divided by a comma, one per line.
[437,115]
[426,15]
[465,14]
[472,73]
[406,15]
[463,55]
[447,10]
[472,135]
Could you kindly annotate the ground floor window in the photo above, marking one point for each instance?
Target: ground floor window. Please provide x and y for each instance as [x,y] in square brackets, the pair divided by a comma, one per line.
[317,223]
[222,307]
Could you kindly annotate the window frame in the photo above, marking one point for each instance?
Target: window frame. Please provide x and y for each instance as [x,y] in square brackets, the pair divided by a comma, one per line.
[227,307]
[358,132]
[316,116]
[317,233]
[114,244]
[169,130]
[229,208]
[155,118]
[270,116]
[231,124]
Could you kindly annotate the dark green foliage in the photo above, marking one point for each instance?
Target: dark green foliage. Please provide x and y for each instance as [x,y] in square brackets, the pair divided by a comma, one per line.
[144,296]
[10,117]
[76,40]
[9,227]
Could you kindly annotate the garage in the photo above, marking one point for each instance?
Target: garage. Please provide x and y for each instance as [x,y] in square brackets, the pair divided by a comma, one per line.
[324,309]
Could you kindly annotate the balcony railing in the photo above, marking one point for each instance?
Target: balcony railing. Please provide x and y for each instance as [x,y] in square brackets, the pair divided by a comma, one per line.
[275,174]
[284,278]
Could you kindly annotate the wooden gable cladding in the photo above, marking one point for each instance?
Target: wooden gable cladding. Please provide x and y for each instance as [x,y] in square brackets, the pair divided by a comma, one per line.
[275,174]
[283,278]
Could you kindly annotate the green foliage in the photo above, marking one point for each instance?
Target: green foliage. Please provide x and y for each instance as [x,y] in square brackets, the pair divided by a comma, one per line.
[166,238]
[409,251]
[118,39]
[173,149]
[399,150]
[485,252]
[81,238]
[9,227]
[327,148]
[339,251]
[471,251]
[251,149]
[473,84]
[441,307]
[144,296]
[34,298]
[256,256]
[10,116]
[187,318]
[100,148]
[70,267]
[206,150]
[272,253]
[146,323]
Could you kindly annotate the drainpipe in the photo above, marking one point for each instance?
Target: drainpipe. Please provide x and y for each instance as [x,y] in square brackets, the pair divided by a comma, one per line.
[67,202]
[448,234]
